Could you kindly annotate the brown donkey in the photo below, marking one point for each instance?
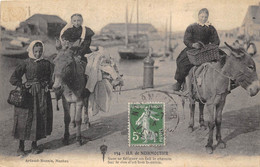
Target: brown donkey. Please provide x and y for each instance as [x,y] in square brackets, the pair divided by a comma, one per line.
[70,78]
[209,85]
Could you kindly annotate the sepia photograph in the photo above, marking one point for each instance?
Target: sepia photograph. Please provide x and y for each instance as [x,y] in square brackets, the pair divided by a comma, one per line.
[130,83]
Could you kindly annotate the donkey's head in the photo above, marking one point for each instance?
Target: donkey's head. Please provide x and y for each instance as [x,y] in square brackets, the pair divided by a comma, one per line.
[242,69]
[64,68]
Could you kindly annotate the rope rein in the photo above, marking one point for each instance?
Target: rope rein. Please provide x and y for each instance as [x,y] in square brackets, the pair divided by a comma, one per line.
[221,73]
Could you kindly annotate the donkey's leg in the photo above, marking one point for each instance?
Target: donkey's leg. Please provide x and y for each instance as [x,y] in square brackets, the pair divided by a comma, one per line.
[201,117]
[85,108]
[185,90]
[192,110]
[66,108]
[192,101]
[221,144]
[73,111]
[86,117]
[78,120]
[211,124]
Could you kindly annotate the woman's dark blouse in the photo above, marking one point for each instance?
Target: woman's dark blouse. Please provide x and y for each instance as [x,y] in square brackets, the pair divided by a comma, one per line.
[73,34]
[205,34]
[40,71]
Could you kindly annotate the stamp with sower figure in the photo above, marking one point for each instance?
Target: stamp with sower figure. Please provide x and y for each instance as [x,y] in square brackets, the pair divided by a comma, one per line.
[146,124]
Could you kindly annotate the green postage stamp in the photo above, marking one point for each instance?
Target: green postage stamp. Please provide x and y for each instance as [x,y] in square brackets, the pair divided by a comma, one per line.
[146,124]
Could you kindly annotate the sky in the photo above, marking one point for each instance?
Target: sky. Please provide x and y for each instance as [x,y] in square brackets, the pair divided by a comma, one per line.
[223,14]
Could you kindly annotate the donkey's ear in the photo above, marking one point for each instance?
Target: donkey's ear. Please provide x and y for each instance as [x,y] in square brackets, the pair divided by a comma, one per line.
[238,53]
[230,47]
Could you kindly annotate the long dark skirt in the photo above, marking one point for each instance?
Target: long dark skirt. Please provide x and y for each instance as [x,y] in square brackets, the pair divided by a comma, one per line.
[35,122]
[183,66]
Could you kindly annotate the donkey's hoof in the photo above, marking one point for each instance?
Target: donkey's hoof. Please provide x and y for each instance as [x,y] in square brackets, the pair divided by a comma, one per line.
[221,145]
[65,141]
[73,124]
[190,129]
[87,124]
[85,120]
[203,127]
[209,149]
[79,141]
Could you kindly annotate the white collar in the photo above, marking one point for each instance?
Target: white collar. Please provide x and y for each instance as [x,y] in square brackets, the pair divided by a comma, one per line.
[206,24]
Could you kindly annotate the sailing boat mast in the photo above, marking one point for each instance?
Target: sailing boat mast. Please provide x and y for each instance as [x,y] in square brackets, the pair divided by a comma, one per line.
[170,32]
[126,25]
[135,52]
[132,11]
[166,37]
[137,25]
[170,38]
[29,11]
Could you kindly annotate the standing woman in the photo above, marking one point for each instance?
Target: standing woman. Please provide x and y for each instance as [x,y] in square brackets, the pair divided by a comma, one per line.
[201,31]
[35,121]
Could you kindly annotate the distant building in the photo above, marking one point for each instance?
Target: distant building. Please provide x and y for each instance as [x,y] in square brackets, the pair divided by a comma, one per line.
[41,24]
[117,30]
[251,24]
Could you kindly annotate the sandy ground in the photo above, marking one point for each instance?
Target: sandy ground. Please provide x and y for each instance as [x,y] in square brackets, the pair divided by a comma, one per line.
[240,128]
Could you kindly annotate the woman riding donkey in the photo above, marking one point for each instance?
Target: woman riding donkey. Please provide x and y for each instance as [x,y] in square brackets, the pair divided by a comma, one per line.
[76,37]
[202,31]
[69,77]
[75,40]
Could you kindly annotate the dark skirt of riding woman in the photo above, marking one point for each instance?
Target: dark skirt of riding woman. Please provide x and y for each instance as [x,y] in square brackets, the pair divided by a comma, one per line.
[35,121]
[201,31]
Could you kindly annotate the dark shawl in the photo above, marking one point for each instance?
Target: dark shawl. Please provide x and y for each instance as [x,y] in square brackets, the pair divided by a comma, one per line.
[73,34]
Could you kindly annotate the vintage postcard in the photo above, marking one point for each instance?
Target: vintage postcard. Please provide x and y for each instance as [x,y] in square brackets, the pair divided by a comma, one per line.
[130,83]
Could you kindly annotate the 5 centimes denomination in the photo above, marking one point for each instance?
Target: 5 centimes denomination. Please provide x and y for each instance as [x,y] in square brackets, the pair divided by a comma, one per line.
[146,123]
